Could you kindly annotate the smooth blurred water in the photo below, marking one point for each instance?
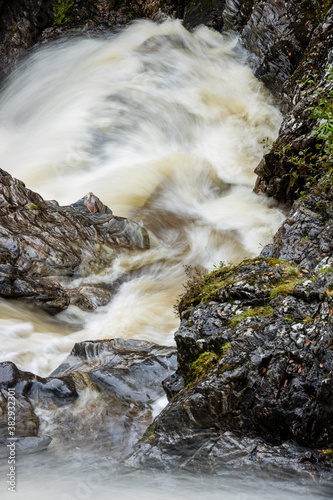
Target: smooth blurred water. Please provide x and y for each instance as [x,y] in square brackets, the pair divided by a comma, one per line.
[166,127]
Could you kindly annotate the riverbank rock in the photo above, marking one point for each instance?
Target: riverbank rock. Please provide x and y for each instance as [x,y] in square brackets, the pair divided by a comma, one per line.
[103,395]
[255,364]
[40,240]
[24,23]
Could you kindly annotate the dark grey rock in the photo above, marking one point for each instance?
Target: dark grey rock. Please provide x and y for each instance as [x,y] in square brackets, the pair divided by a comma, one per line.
[269,379]
[122,379]
[39,239]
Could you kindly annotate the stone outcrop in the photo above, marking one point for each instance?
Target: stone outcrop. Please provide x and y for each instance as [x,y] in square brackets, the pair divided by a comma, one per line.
[123,379]
[255,364]
[40,239]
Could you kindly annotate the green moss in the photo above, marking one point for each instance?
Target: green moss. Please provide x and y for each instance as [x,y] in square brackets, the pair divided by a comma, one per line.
[33,207]
[150,437]
[258,311]
[205,362]
[201,288]
[285,288]
[324,7]
[308,319]
[224,349]
[225,368]
[63,12]
[274,262]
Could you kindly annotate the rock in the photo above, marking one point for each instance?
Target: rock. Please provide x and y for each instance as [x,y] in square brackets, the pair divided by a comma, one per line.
[40,239]
[279,175]
[221,453]
[123,367]
[20,393]
[276,34]
[106,391]
[24,23]
[256,358]
[306,236]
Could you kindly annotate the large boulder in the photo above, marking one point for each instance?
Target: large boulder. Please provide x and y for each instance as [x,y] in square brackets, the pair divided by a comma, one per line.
[40,239]
[255,364]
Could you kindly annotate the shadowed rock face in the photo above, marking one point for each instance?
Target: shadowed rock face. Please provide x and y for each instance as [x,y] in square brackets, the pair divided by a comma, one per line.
[40,239]
[123,379]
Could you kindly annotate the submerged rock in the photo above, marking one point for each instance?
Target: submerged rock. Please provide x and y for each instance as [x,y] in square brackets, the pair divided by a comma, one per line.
[40,239]
[20,393]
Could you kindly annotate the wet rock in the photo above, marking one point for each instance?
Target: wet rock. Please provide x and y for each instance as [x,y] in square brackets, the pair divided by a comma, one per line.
[103,395]
[27,445]
[219,453]
[276,34]
[306,236]
[260,371]
[123,367]
[278,174]
[40,239]
[20,393]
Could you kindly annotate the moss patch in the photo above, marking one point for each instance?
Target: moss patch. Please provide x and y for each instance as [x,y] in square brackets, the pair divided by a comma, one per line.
[204,363]
[258,311]
[63,12]
[201,288]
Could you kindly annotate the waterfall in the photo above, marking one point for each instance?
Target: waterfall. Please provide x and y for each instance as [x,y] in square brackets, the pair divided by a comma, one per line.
[166,127]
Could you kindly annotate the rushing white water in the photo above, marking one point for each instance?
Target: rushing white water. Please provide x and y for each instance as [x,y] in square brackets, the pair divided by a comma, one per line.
[166,127]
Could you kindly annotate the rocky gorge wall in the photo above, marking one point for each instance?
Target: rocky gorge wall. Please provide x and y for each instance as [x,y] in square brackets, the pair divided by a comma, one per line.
[255,346]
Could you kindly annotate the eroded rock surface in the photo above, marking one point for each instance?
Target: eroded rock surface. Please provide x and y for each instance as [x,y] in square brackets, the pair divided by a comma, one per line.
[40,239]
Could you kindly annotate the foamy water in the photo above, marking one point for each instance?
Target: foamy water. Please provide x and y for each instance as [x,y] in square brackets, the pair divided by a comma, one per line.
[166,127]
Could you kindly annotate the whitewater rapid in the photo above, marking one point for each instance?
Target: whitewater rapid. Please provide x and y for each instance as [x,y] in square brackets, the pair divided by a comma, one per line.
[166,127]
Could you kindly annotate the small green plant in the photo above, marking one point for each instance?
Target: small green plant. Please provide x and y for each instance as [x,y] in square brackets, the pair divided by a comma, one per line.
[33,207]
[314,164]
[325,270]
